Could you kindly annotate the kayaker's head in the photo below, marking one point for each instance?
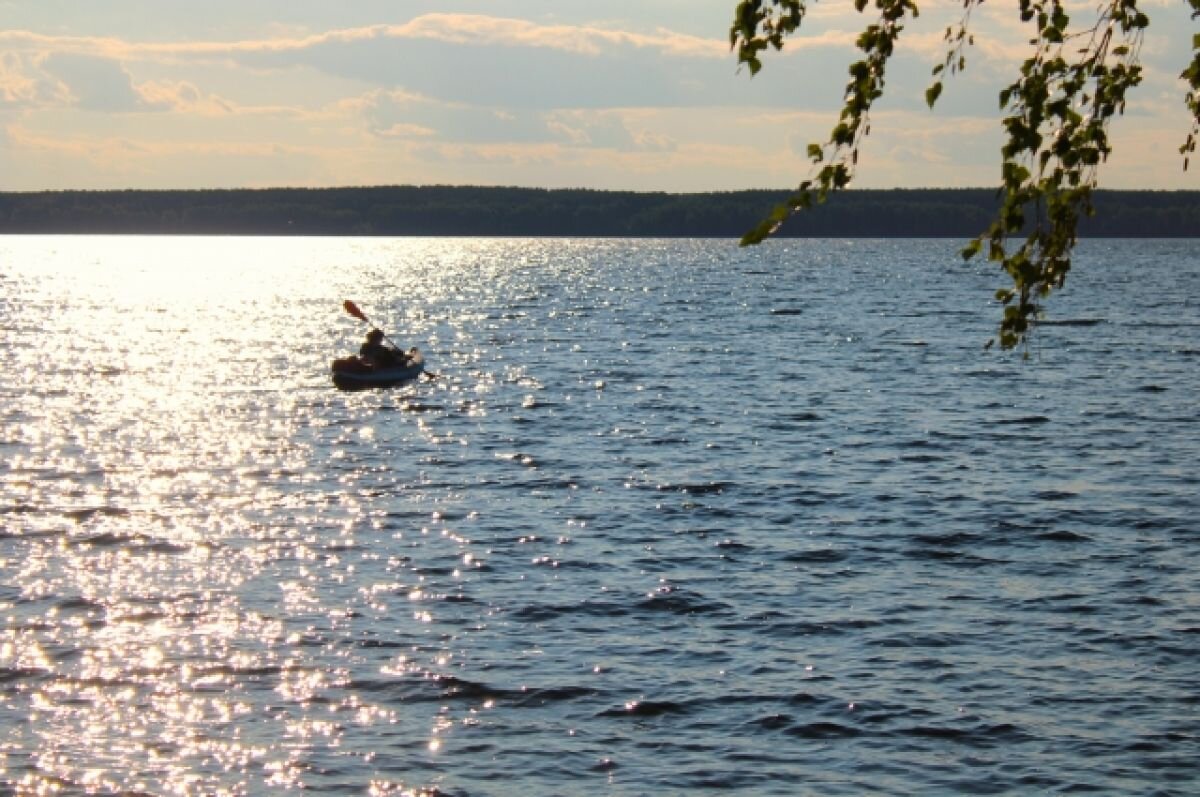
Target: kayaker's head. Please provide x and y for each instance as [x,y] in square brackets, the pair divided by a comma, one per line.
[374,336]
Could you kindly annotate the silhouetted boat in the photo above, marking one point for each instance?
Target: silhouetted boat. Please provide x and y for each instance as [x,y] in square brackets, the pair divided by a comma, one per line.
[352,373]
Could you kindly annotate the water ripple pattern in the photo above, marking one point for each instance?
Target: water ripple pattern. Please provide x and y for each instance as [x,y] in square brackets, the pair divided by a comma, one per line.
[674,518]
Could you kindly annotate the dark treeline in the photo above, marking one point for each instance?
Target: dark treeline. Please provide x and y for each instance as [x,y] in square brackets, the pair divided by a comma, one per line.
[463,210]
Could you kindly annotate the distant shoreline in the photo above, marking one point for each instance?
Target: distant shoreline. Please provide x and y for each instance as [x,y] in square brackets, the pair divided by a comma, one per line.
[535,212]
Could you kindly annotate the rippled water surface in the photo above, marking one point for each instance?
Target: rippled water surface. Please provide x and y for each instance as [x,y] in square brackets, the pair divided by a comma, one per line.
[674,518]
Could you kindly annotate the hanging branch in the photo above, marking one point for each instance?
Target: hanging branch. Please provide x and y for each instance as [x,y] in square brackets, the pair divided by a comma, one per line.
[1192,100]
[1059,110]
[834,161]
[1057,114]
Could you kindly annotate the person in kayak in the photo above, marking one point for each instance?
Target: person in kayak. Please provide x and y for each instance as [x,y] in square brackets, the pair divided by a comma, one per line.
[377,354]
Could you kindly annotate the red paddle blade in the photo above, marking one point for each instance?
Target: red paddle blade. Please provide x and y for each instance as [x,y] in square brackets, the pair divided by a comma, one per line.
[351,308]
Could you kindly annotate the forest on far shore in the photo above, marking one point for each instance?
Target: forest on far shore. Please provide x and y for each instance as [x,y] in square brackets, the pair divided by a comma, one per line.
[498,211]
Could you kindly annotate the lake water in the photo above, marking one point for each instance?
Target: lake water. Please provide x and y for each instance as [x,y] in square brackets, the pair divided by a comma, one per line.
[674,518]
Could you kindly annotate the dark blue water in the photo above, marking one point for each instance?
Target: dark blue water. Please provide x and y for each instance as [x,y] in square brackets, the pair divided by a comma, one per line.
[674,518]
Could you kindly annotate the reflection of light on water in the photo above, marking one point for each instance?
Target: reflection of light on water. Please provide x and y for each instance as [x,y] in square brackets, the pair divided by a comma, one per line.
[199,499]
[129,699]
[165,466]
[209,566]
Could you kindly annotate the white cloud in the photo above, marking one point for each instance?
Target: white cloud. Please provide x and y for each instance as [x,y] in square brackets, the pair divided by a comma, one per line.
[464,29]
[402,130]
[479,30]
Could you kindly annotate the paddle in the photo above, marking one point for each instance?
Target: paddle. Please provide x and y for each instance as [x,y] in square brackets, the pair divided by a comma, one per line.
[352,308]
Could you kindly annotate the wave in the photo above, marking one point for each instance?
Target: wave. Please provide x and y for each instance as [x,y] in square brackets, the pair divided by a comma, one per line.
[1072,322]
[815,556]
[676,600]
[87,513]
[696,488]
[1025,420]
[981,735]
[20,509]
[646,708]
[1063,536]
[823,730]
[138,542]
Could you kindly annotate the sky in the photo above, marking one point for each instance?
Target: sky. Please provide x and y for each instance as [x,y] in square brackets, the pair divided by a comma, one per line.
[606,94]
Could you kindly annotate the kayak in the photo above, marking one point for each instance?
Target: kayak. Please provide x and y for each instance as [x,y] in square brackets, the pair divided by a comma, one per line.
[352,373]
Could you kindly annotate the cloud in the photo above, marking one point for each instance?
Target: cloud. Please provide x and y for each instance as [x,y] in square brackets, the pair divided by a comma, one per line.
[603,130]
[471,59]
[15,86]
[475,30]
[620,130]
[118,161]
[93,83]
[403,114]
[403,130]
[480,30]
[176,95]
[476,60]
[473,98]
[96,83]
[23,83]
